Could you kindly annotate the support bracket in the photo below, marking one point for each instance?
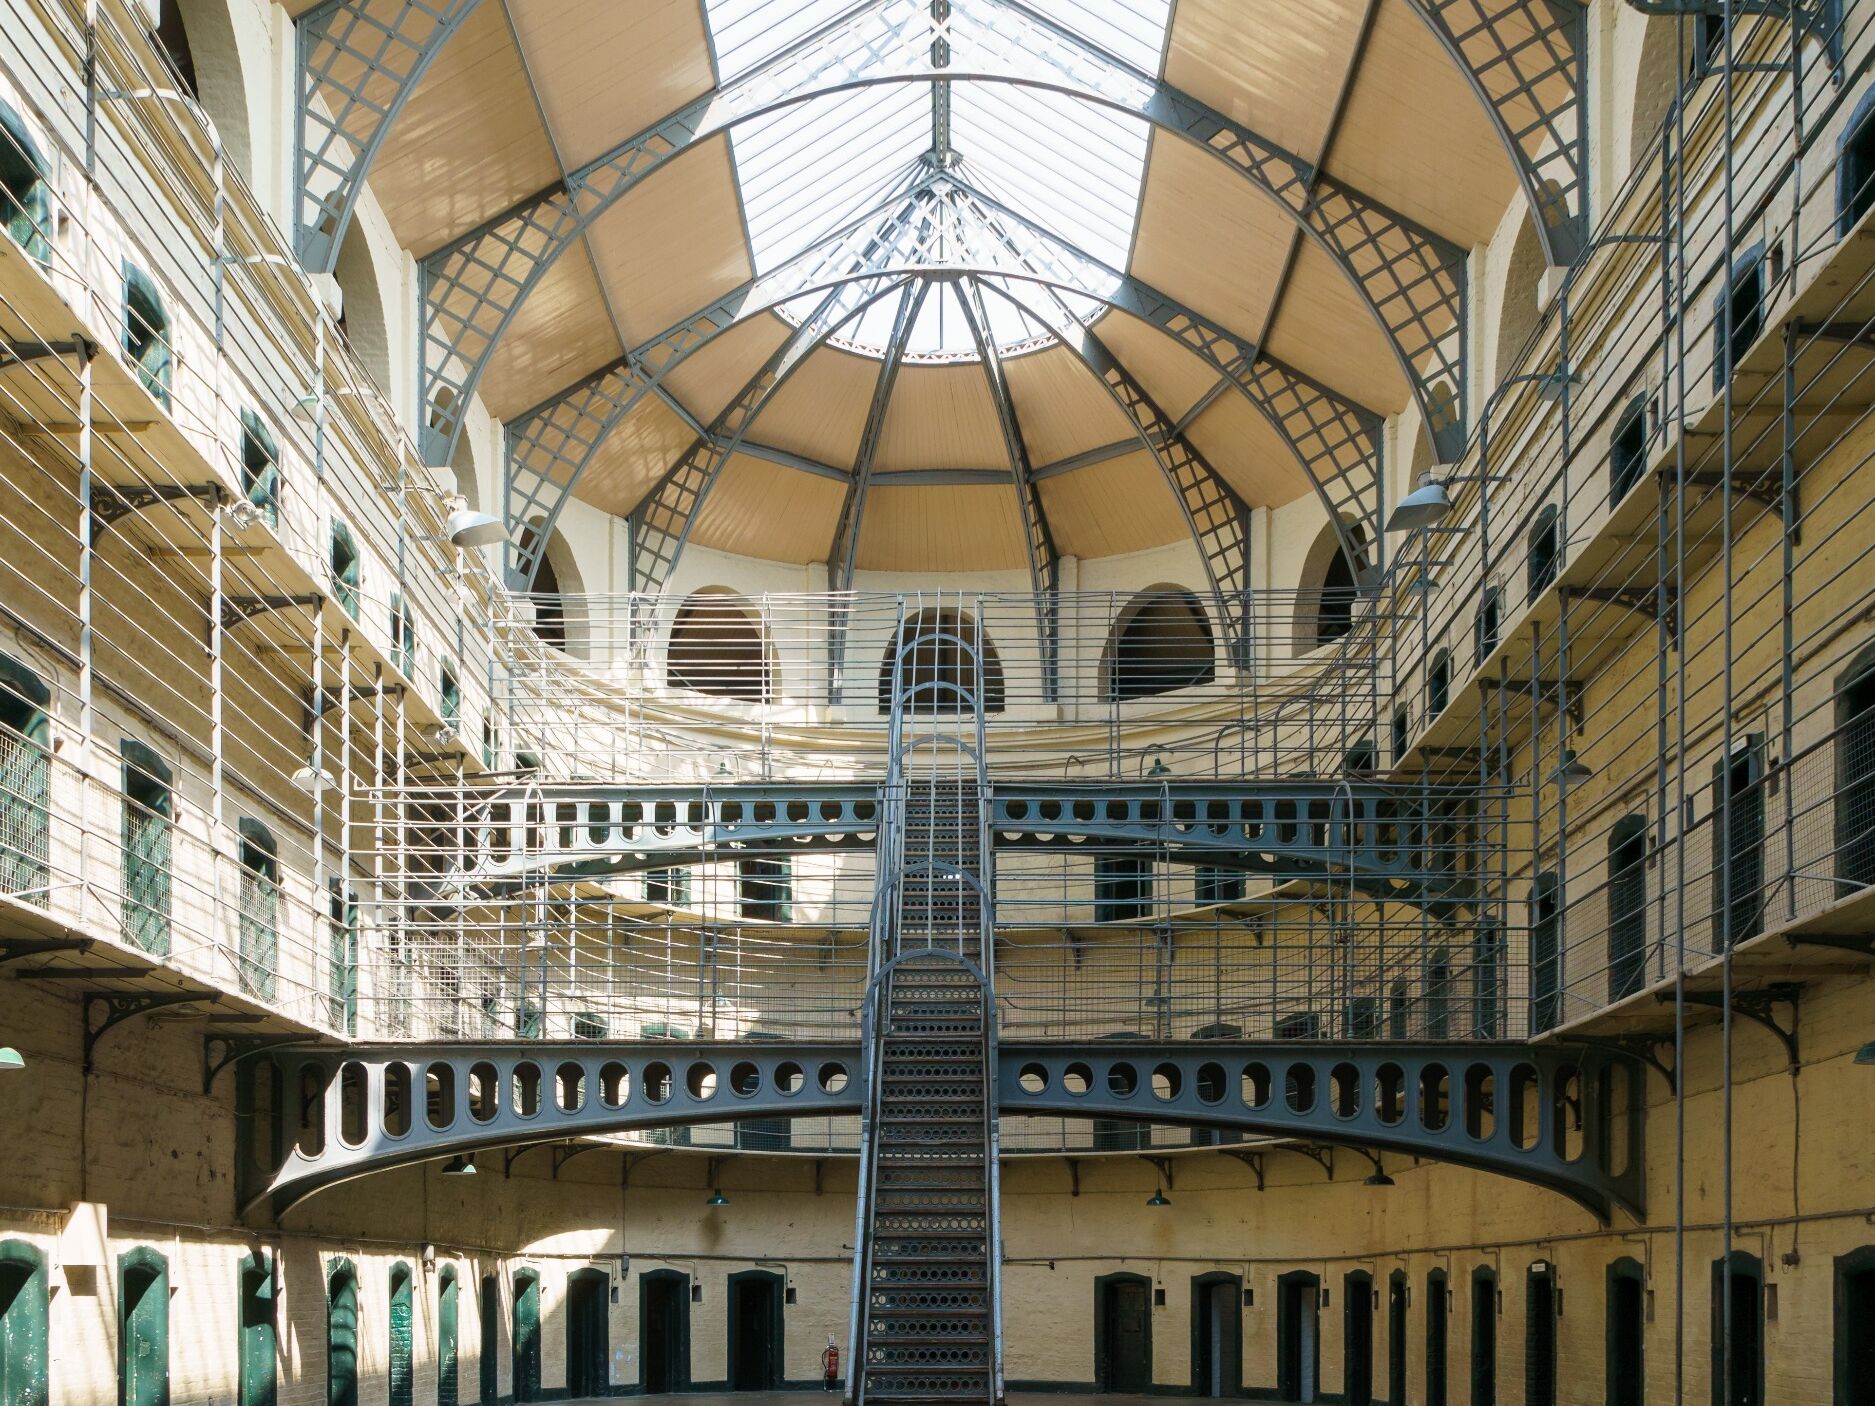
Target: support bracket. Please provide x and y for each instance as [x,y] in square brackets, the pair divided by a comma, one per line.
[235,609]
[14,948]
[1755,1006]
[1642,1047]
[566,1152]
[219,1051]
[1164,1164]
[1323,1157]
[1252,1160]
[23,352]
[1643,600]
[1860,943]
[1544,690]
[105,1010]
[111,503]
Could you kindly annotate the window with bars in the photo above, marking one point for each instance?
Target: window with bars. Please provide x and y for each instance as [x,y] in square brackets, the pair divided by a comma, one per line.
[1214,885]
[25,783]
[149,815]
[25,188]
[1122,888]
[1402,733]
[1855,773]
[1489,622]
[1855,167]
[449,695]
[667,886]
[347,568]
[1627,906]
[1544,551]
[260,467]
[1627,451]
[403,636]
[1738,842]
[342,955]
[147,334]
[765,889]
[1545,954]
[1438,684]
[258,956]
[1744,297]
[1439,995]
[1487,983]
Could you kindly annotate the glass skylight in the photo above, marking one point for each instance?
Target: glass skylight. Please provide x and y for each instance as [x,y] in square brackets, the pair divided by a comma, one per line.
[810,170]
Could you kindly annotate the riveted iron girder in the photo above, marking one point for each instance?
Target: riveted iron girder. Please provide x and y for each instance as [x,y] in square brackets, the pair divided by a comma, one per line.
[1563,1117]
[373,1108]
[1412,281]
[1374,836]
[1525,61]
[358,64]
[1336,442]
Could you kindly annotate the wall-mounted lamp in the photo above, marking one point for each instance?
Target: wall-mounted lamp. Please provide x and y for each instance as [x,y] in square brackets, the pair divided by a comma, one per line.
[1865,1055]
[1573,771]
[1426,506]
[439,734]
[467,528]
[10,1058]
[459,1166]
[241,514]
[716,1197]
[312,780]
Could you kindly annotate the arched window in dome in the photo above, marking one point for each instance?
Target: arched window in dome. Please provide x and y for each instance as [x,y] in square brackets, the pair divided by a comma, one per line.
[1518,313]
[940,648]
[362,321]
[1329,588]
[1160,642]
[559,607]
[198,38]
[719,645]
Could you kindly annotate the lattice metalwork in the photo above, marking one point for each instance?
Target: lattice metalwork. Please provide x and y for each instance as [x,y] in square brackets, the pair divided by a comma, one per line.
[840,561]
[1413,281]
[1218,518]
[1524,60]
[662,523]
[1336,442]
[1038,542]
[358,64]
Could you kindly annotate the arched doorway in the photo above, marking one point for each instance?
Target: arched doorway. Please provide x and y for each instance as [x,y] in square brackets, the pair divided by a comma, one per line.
[664,1330]
[755,1330]
[588,1346]
[1298,1335]
[1123,1333]
[1217,1335]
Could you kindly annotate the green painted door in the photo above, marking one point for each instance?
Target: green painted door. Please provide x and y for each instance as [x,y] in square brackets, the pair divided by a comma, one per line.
[258,1348]
[446,1338]
[491,1339]
[23,1343]
[401,1369]
[587,1343]
[527,1336]
[342,1338]
[147,808]
[142,1329]
[25,799]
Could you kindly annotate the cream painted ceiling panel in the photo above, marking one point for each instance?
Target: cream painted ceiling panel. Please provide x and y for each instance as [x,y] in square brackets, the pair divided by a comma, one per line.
[607,72]
[762,510]
[941,417]
[1122,505]
[674,245]
[708,379]
[820,411]
[1173,376]
[1273,65]
[1325,330]
[468,144]
[642,447]
[560,334]
[969,528]
[1208,238]
[1415,137]
[1246,450]
[1063,408]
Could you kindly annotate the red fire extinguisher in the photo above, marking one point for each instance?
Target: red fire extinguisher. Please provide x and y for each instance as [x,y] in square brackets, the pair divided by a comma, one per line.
[830,1366]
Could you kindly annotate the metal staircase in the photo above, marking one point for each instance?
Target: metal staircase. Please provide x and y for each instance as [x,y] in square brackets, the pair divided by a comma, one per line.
[927,1307]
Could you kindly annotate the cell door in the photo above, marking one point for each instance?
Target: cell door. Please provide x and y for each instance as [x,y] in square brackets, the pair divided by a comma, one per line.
[258,1346]
[1396,1339]
[23,1318]
[1539,1340]
[527,1336]
[446,1308]
[401,1368]
[1357,1315]
[664,1330]
[1627,1325]
[342,1338]
[755,1348]
[1217,1336]
[490,1366]
[1297,1343]
[586,1337]
[143,1330]
[1483,1339]
[1126,1311]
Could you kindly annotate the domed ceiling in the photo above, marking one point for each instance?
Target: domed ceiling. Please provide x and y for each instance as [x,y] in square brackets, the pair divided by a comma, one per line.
[941,284]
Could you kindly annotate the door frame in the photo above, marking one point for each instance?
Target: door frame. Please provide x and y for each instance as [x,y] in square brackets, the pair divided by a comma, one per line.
[680,1346]
[141,1259]
[1356,1280]
[591,1274]
[1297,1278]
[777,1324]
[1399,1291]
[1627,1269]
[1201,1285]
[1103,1374]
